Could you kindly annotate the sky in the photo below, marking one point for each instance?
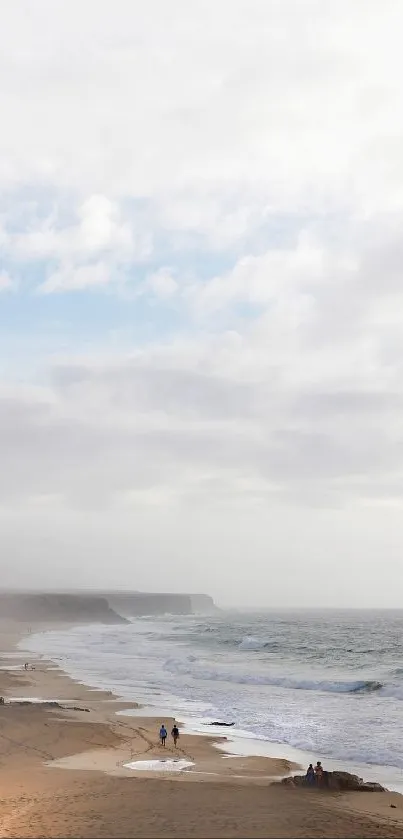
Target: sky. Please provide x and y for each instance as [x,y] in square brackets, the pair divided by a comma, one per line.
[201,298]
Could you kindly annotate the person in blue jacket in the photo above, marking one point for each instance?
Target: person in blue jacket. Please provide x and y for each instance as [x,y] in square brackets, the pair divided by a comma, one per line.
[163,735]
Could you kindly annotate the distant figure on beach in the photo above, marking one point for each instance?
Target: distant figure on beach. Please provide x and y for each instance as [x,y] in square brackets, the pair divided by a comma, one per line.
[175,734]
[1,700]
[26,666]
[163,735]
[319,773]
[310,775]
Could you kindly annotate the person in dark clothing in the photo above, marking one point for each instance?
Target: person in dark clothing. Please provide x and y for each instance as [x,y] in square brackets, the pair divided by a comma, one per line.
[310,775]
[175,734]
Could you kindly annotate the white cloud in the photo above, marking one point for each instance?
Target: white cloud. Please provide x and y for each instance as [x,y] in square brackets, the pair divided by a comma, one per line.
[98,228]
[5,281]
[161,284]
[276,420]
[247,156]
[290,100]
[270,277]
[71,278]
[88,250]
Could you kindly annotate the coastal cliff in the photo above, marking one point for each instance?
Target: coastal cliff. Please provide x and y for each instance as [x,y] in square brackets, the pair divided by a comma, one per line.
[108,607]
[137,603]
[203,604]
[36,607]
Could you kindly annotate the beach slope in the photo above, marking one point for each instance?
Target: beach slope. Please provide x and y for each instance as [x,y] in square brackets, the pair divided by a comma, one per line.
[63,773]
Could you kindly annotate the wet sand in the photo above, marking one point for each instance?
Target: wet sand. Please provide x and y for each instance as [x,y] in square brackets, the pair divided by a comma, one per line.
[63,773]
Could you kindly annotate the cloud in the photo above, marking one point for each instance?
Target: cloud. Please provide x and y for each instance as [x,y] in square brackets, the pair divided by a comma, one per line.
[97,228]
[161,284]
[5,281]
[231,176]
[84,247]
[188,418]
[99,225]
[266,278]
[283,128]
[71,278]
[294,111]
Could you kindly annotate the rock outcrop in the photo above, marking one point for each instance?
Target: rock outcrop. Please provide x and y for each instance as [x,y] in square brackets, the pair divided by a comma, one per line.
[337,781]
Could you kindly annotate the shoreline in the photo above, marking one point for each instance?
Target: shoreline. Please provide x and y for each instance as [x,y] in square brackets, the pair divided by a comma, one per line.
[236,742]
[207,756]
[60,749]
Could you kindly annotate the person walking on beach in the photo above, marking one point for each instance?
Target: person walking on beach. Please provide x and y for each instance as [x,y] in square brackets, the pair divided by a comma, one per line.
[319,773]
[163,735]
[175,734]
[310,775]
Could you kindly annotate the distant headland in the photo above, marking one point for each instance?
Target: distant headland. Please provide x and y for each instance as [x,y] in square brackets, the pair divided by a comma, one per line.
[109,607]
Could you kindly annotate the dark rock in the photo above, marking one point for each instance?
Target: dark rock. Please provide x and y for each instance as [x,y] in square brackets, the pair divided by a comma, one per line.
[372,786]
[340,781]
[227,724]
[346,781]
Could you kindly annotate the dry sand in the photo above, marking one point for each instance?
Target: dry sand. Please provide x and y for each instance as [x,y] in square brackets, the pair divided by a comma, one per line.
[63,774]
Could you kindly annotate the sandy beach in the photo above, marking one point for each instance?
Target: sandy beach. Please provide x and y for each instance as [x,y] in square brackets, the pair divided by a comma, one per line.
[63,772]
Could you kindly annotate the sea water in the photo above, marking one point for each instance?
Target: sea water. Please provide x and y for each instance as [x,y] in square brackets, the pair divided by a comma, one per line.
[327,683]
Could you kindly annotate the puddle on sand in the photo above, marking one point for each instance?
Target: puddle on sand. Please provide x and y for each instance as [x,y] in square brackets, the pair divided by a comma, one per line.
[169,765]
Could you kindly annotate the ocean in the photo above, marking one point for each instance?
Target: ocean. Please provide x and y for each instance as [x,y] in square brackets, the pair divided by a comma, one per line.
[329,684]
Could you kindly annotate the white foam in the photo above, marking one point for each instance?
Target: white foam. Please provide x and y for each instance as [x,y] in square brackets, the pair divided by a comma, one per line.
[34,699]
[16,654]
[148,711]
[169,765]
[336,715]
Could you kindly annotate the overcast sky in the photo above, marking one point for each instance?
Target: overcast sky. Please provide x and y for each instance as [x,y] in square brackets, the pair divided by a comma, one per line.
[201,298]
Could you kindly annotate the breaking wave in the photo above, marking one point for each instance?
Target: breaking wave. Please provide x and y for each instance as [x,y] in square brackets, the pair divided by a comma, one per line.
[330,685]
[180,667]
